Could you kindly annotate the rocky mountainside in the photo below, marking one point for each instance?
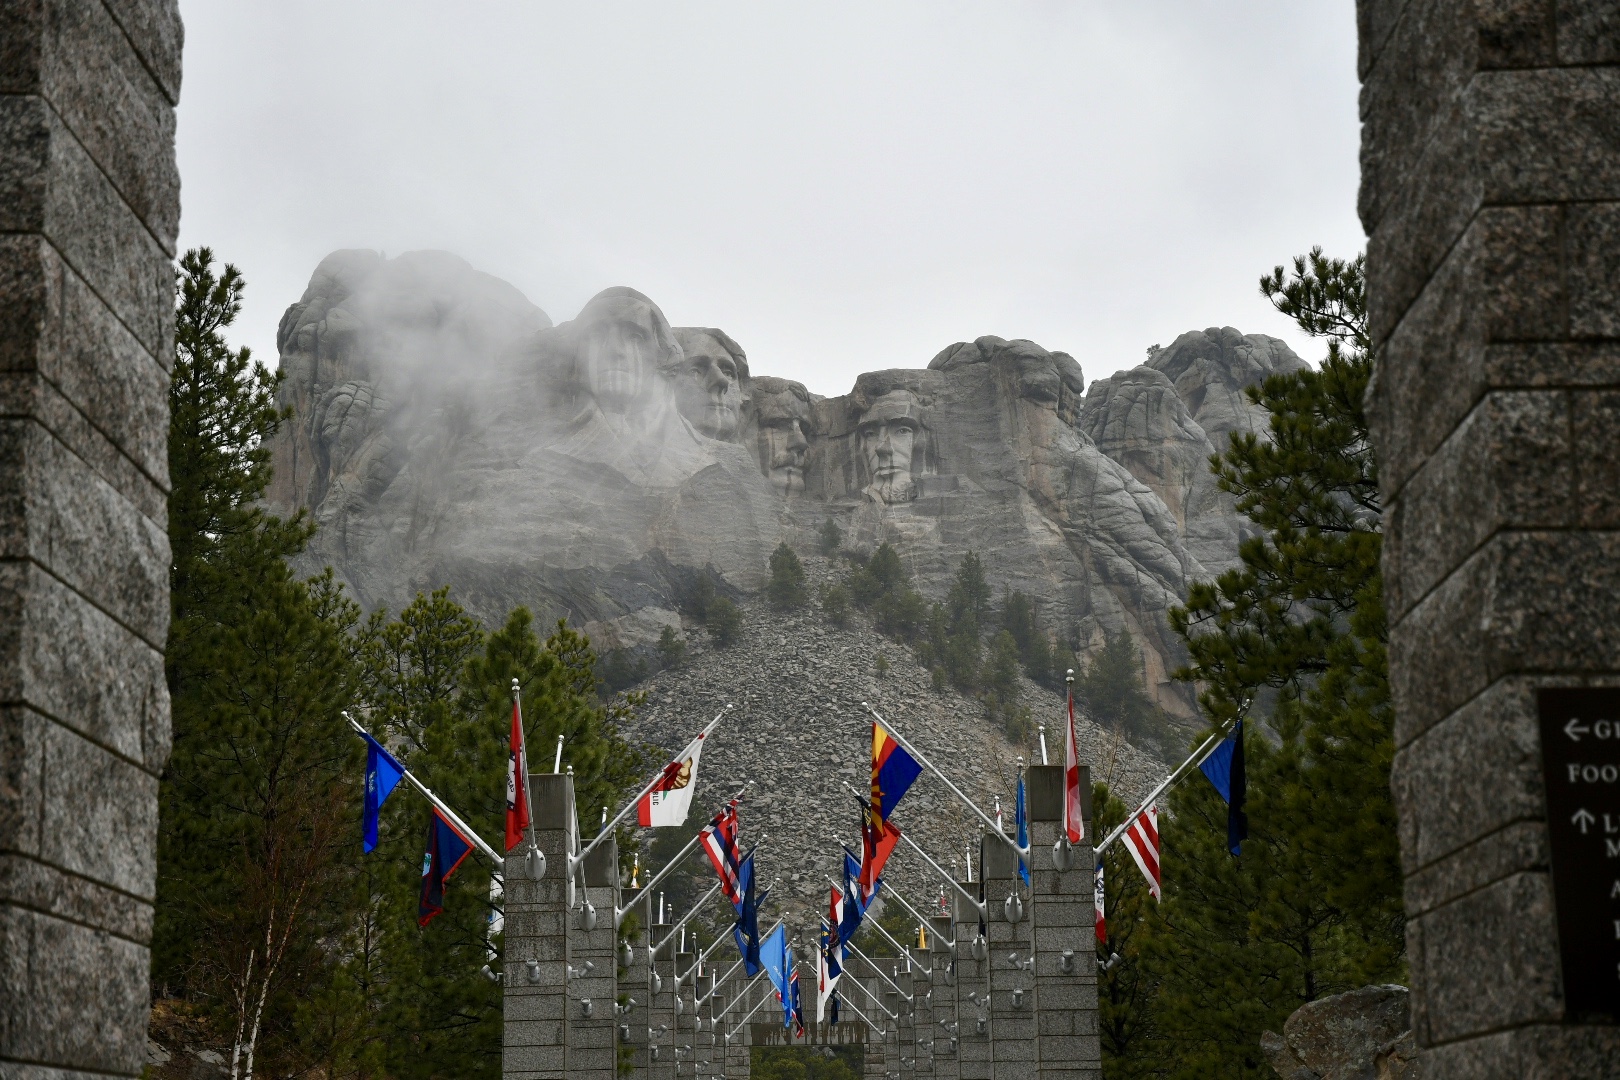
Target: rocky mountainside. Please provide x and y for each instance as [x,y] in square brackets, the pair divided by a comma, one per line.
[445,432]
[799,729]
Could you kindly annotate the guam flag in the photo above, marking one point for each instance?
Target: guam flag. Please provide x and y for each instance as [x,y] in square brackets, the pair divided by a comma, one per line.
[446,848]
[383,774]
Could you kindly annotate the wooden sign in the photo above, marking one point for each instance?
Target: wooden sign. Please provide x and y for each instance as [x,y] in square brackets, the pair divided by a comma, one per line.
[1580,751]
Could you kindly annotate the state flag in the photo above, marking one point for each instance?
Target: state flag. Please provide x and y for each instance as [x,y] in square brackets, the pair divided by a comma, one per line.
[1102,919]
[383,774]
[517,788]
[1073,824]
[447,846]
[878,838]
[893,772]
[719,841]
[1224,767]
[666,803]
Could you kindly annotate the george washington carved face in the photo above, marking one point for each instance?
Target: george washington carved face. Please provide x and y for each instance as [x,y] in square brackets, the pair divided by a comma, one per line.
[622,340]
[888,435]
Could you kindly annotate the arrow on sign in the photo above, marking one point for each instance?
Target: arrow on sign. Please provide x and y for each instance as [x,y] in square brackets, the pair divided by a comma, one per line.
[1583,818]
[1575,729]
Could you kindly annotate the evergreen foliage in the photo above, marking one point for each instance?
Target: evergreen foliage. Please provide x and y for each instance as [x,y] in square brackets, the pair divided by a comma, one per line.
[1112,691]
[835,604]
[830,538]
[1313,905]
[883,588]
[786,588]
[1041,661]
[725,621]
[671,648]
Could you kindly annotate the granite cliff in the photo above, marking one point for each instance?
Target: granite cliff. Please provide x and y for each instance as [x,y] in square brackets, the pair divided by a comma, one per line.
[445,432]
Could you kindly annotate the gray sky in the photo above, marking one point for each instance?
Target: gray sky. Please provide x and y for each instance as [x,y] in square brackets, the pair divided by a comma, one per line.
[841,186]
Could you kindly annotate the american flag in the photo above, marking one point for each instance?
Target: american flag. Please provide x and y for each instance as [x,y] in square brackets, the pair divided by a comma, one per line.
[1142,841]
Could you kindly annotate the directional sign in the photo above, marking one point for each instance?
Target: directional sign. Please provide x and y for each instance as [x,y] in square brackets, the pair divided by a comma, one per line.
[1580,753]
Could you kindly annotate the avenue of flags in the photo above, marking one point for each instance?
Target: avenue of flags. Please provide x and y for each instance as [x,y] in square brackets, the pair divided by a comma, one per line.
[895,767]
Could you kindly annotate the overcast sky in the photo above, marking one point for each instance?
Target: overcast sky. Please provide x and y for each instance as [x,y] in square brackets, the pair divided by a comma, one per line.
[841,186]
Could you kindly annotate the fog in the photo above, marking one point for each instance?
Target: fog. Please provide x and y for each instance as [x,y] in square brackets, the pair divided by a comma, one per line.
[841,187]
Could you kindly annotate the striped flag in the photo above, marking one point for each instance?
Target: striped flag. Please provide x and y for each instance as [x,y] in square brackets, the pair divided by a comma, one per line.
[1142,841]
[719,842]
[1073,826]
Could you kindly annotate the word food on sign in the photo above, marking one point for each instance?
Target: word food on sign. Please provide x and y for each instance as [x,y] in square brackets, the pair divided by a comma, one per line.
[1580,750]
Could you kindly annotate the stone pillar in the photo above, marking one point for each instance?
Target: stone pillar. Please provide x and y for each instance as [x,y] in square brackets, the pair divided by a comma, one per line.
[636,981]
[922,1018]
[593,989]
[709,1060]
[535,941]
[1490,192]
[89,206]
[1012,986]
[1064,916]
[876,1063]
[974,1024]
[905,1029]
[685,1027]
[947,1026]
[661,1002]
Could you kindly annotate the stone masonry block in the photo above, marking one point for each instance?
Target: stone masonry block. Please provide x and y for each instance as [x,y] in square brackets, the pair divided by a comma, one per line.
[82,64]
[1520,846]
[1525,602]
[1588,31]
[1516,33]
[57,974]
[1469,776]
[82,531]
[1509,464]
[1549,134]
[67,659]
[1490,959]
[57,893]
[1593,231]
[1536,1052]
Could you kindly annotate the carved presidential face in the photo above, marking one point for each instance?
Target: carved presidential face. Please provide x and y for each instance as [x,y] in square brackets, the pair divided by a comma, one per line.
[888,441]
[709,386]
[619,359]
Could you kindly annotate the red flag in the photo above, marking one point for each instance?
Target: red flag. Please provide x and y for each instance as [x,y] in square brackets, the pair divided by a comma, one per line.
[878,838]
[1142,841]
[517,774]
[1072,823]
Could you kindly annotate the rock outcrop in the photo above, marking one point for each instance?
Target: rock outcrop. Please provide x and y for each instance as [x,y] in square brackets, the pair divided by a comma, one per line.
[446,433]
[1364,1034]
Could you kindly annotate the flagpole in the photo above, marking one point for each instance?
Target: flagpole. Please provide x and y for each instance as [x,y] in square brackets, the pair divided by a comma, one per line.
[607,830]
[1210,744]
[721,981]
[673,930]
[877,969]
[669,867]
[905,953]
[906,745]
[523,766]
[720,939]
[751,981]
[870,997]
[455,819]
[894,892]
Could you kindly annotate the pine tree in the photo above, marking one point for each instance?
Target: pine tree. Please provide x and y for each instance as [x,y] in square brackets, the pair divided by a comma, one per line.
[671,648]
[1111,690]
[830,538]
[725,621]
[786,587]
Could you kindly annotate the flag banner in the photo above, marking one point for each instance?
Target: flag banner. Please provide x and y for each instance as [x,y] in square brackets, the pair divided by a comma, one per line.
[1073,824]
[878,839]
[1021,820]
[893,772]
[446,848]
[1142,841]
[517,788]
[1224,767]
[795,1010]
[383,774]
[745,932]
[719,842]
[668,801]
[828,970]
[773,958]
[855,902]
[834,930]
[1102,919]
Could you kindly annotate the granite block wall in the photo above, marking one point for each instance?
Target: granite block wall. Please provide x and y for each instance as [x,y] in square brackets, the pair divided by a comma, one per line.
[1490,193]
[89,210]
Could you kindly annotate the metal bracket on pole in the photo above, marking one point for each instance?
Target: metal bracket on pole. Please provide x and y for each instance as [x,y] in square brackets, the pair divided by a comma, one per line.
[877,969]
[670,867]
[1210,745]
[734,967]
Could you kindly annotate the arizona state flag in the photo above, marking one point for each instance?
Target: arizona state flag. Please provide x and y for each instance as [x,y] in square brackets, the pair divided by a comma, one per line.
[893,772]
[446,848]
[517,788]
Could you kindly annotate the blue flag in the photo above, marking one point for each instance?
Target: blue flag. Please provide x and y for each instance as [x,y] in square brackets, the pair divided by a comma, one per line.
[773,958]
[446,848]
[383,773]
[1224,767]
[854,907]
[1023,830]
[746,930]
[793,1011]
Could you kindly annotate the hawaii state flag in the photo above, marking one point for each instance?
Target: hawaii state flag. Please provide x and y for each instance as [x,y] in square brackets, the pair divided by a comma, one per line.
[383,774]
[893,772]
[1073,826]
[669,799]
[517,787]
[1142,841]
[447,846]
[719,841]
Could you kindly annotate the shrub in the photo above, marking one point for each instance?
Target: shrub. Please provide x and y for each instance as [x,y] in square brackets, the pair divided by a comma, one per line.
[725,621]
[786,589]
[835,604]
[830,538]
[671,648]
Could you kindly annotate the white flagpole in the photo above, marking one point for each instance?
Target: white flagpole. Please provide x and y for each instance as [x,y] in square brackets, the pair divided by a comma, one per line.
[455,819]
[721,981]
[523,766]
[877,969]
[974,900]
[669,867]
[607,830]
[1207,747]
[869,997]
[905,745]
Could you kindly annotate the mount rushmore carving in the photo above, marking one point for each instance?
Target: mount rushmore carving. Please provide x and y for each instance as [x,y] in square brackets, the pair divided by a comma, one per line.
[445,432]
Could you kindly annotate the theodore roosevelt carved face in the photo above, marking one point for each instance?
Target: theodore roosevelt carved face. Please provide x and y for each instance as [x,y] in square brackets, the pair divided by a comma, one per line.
[783,415]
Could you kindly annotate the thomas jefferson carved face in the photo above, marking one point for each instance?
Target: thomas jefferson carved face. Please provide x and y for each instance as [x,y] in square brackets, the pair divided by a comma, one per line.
[783,415]
[623,340]
[888,438]
[709,384]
